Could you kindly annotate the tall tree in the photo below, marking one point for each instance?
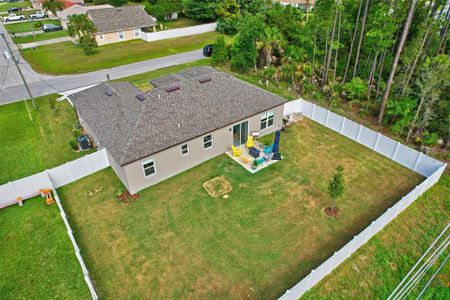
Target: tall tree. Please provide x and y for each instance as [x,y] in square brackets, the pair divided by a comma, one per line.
[361,37]
[405,32]
[355,31]
[83,29]
[202,10]
[53,6]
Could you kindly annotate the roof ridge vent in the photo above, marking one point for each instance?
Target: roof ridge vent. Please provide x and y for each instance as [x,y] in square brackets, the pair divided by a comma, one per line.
[173,88]
[203,80]
[108,92]
[140,97]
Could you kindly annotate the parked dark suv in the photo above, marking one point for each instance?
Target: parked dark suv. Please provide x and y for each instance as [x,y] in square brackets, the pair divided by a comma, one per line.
[208,50]
[14,9]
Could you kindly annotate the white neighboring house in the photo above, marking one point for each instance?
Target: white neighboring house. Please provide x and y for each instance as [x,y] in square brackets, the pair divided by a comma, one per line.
[64,15]
[301,4]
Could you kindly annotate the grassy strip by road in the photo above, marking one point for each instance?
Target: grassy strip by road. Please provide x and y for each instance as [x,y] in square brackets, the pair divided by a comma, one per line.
[374,271]
[178,242]
[6,5]
[65,58]
[36,256]
[30,147]
[40,37]
[28,26]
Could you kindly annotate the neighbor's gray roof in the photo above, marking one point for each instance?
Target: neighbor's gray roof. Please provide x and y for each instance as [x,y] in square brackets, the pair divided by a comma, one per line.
[131,129]
[120,18]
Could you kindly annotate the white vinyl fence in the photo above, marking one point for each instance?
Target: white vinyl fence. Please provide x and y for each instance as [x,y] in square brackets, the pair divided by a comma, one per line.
[414,160]
[29,187]
[179,32]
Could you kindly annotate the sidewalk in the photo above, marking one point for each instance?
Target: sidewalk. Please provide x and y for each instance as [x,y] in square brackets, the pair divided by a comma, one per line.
[46,42]
[20,34]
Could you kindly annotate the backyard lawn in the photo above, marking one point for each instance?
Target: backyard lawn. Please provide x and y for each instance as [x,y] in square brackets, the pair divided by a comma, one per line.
[40,37]
[176,241]
[29,26]
[374,271]
[64,58]
[30,147]
[179,23]
[36,256]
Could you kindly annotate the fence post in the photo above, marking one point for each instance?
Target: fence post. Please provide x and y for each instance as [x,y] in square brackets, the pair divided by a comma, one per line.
[395,151]
[15,193]
[70,171]
[90,164]
[359,132]
[313,110]
[419,157]
[342,125]
[328,116]
[376,141]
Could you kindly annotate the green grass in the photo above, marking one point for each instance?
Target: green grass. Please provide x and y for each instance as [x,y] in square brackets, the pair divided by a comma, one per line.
[6,5]
[176,241]
[36,256]
[64,58]
[30,147]
[179,23]
[28,26]
[40,37]
[374,271]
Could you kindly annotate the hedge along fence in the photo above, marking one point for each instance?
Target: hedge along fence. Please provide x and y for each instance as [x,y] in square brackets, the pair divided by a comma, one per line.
[178,32]
[414,160]
[29,187]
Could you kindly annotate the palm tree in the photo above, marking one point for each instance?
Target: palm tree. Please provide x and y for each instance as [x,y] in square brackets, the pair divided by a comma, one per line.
[83,29]
[53,6]
[271,40]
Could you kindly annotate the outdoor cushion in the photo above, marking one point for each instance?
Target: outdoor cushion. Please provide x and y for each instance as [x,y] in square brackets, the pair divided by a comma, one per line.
[254,152]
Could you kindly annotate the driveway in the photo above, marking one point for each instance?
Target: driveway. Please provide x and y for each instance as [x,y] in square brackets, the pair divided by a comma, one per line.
[13,90]
[47,42]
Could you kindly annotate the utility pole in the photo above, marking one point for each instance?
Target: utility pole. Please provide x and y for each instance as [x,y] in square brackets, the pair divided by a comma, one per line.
[16,61]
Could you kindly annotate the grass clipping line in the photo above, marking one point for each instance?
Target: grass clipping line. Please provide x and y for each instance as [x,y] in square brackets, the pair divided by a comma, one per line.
[217,186]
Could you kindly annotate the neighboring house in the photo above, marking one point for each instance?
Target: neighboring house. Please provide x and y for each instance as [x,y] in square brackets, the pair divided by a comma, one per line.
[188,118]
[67,3]
[120,24]
[302,4]
[77,10]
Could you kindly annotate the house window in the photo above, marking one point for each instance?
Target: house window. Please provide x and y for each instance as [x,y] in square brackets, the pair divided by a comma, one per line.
[208,141]
[137,32]
[101,36]
[184,149]
[121,35]
[149,167]
[267,119]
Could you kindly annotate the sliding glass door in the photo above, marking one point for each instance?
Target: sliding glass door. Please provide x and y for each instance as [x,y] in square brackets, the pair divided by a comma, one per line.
[240,133]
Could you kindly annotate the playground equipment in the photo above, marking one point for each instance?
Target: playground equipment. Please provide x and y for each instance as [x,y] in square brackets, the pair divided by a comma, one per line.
[47,193]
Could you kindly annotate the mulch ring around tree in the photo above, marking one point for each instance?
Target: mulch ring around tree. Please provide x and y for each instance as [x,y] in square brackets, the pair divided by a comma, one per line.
[332,212]
[125,197]
[217,187]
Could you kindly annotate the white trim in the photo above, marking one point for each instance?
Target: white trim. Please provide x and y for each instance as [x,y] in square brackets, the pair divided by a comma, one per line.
[101,36]
[265,116]
[119,33]
[146,162]
[187,147]
[212,141]
[137,32]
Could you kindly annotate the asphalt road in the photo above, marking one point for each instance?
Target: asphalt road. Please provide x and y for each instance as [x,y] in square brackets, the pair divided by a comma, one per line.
[13,90]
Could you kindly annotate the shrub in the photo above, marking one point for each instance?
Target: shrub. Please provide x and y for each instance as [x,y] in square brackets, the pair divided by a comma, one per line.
[74,145]
[227,26]
[356,89]
[220,52]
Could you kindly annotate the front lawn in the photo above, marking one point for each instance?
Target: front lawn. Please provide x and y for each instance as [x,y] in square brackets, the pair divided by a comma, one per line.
[29,147]
[37,258]
[176,241]
[65,58]
[4,6]
[28,26]
[378,267]
[40,37]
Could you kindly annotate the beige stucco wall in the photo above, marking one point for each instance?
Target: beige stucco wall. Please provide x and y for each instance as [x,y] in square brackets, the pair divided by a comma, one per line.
[113,37]
[170,162]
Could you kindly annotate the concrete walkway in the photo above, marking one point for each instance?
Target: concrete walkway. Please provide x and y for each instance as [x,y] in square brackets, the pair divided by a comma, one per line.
[20,34]
[46,42]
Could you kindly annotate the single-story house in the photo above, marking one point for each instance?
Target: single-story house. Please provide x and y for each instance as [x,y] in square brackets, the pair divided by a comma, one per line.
[78,9]
[120,24]
[307,5]
[188,118]
[67,3]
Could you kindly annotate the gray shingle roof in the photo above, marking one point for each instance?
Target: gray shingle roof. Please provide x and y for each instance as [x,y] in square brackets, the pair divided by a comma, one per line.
[131,129]
[120,18]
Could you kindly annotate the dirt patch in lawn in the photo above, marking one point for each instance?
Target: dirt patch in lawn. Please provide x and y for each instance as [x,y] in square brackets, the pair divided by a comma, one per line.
[217,187]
